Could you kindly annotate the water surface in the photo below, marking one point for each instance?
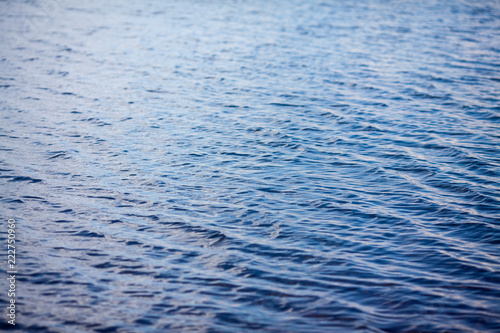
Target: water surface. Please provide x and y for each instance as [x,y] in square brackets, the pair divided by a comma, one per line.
[271,166]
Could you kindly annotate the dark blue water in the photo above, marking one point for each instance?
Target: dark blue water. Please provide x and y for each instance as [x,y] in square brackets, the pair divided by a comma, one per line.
[270,166]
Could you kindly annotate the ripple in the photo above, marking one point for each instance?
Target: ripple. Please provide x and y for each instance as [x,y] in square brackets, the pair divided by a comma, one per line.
[253,166]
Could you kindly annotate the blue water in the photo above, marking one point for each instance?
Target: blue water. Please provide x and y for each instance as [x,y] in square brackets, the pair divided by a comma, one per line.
[240,166]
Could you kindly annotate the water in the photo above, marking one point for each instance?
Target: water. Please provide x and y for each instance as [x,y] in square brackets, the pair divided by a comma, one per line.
[271,166]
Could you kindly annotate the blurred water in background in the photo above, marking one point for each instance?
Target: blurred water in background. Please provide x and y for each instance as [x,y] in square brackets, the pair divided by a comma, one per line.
[273,166]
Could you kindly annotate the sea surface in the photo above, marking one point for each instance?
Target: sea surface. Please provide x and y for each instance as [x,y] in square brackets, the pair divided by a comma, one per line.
[251,166]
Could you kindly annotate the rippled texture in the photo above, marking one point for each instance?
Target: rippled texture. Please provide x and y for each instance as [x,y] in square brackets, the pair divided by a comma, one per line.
[273,166]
